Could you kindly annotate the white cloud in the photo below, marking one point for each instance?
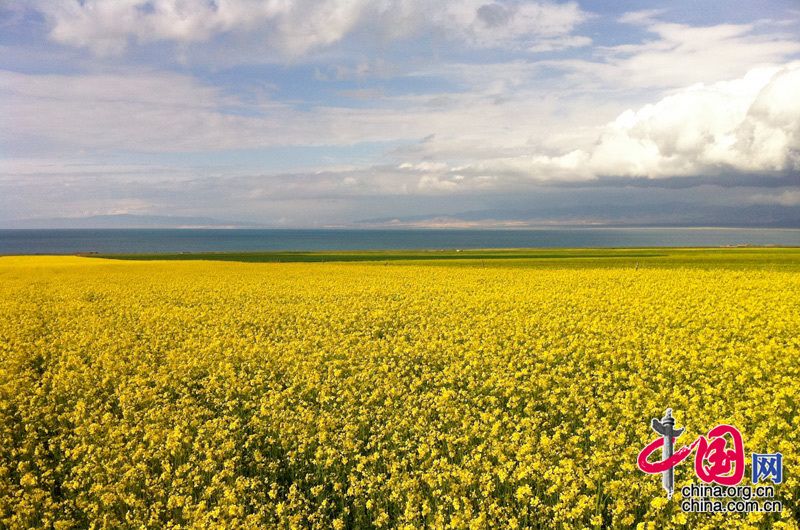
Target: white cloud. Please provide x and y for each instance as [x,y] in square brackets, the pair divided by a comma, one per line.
[645,16]
[294,28]
[109,26]
[749,124]
[515,24]
[716,52]
[165,112]
[133,111]
[679,55]
[101,131]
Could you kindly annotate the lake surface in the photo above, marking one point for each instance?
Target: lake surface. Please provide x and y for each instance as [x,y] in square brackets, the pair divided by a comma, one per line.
[221,240]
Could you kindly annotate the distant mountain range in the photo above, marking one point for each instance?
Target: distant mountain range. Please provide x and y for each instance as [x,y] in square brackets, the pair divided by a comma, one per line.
[125,221]
[666,215]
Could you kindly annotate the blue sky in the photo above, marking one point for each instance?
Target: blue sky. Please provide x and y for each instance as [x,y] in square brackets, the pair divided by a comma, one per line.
[402,113]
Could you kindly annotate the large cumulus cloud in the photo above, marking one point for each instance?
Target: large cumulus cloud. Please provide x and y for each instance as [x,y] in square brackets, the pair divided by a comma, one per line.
[750,124]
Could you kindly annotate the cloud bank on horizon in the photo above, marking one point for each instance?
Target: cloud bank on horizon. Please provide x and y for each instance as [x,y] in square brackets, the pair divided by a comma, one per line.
[329,112]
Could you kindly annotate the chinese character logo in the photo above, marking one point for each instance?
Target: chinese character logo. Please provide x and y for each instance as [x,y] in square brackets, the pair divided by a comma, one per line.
[768,467]
[714,460]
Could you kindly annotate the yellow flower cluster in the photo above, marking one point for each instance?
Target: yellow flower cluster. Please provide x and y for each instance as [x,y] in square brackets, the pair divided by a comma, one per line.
[287,395]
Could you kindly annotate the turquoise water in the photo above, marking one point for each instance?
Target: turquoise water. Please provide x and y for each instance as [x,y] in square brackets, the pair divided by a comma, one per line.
[221,240]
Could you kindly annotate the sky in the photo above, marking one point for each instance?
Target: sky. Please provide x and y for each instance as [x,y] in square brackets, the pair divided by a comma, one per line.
[317,113]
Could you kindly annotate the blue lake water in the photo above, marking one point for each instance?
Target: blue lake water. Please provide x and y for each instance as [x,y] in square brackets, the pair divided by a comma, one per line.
[219,240]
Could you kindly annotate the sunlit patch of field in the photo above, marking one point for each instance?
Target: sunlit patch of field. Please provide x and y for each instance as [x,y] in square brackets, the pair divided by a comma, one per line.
[462,393]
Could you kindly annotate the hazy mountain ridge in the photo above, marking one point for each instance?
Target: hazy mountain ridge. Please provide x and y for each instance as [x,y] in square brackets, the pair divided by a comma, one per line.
[667,215]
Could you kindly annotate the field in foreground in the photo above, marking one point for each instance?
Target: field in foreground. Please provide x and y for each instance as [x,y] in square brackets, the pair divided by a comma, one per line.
[488,393]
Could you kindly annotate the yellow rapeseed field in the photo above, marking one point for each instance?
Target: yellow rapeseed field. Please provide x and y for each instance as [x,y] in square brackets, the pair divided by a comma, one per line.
[323,395]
